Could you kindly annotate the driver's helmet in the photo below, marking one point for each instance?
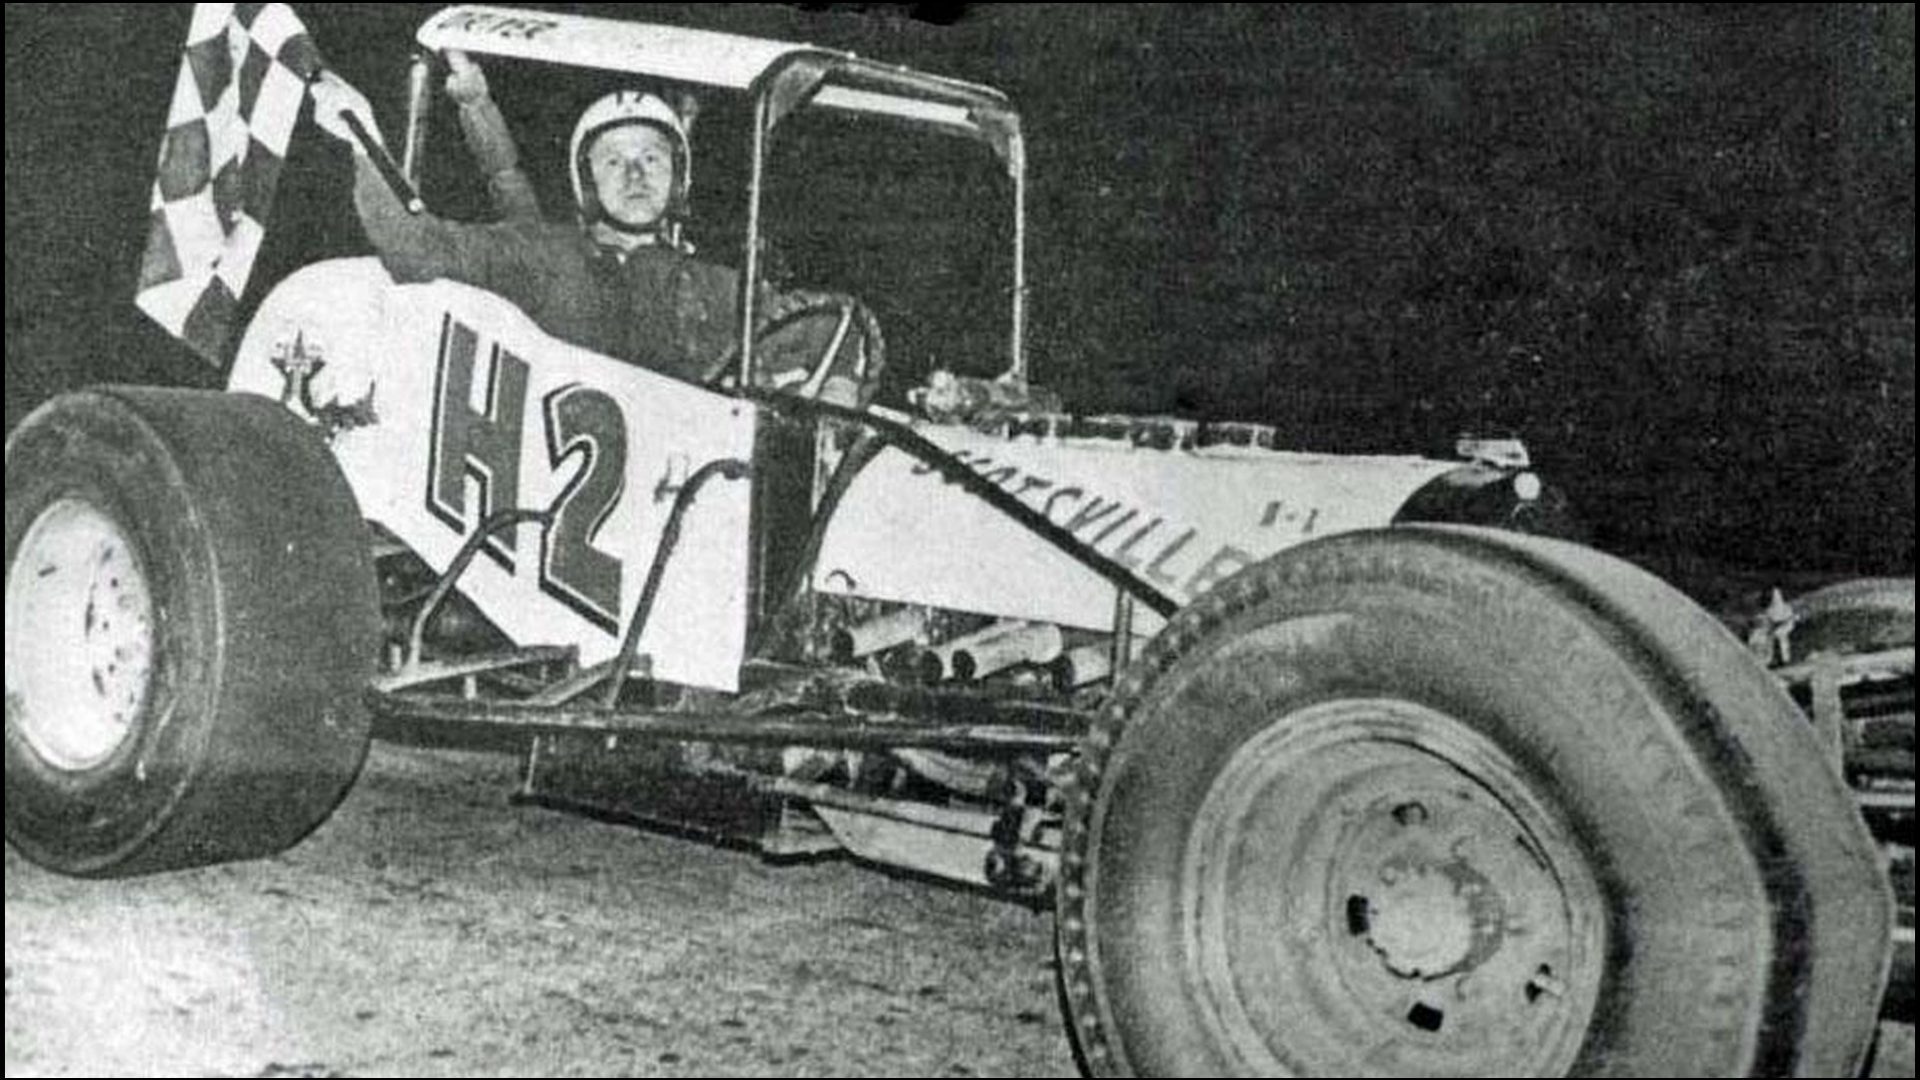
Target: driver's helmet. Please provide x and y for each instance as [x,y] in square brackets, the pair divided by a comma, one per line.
[618,109]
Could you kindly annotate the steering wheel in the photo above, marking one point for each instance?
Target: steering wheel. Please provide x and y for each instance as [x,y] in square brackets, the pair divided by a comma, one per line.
[801,350]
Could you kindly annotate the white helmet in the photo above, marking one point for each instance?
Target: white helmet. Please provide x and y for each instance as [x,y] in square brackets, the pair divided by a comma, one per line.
[618,109]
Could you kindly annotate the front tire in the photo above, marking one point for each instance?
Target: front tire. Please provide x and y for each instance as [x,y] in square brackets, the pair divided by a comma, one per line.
[191,619]
[1439,801]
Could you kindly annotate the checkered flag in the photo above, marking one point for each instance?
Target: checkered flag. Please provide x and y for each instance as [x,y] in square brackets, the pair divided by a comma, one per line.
[242,81]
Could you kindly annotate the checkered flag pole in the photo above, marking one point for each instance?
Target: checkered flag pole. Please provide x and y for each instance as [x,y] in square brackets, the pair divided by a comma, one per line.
[242,81]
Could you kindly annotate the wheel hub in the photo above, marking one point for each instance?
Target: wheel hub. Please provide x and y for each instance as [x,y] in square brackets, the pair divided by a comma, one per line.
[1378,892]
[1429,920]
[80,642]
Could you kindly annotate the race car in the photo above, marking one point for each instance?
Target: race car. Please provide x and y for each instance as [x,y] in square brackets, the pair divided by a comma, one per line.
[1328,764]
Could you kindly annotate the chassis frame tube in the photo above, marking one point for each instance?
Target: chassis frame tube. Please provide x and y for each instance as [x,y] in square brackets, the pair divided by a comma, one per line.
[829,730]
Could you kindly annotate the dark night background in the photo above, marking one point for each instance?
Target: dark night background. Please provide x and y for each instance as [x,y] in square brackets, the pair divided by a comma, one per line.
[1670,245]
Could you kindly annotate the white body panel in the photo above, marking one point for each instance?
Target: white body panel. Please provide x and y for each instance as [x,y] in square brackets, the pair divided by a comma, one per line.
[385,341]
[1180,520]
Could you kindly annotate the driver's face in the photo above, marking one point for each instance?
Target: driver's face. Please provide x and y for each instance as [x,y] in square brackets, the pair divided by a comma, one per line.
[632,169]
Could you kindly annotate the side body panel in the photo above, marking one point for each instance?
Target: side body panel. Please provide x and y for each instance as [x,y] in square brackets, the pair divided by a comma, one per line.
[1181,520]
[445,404]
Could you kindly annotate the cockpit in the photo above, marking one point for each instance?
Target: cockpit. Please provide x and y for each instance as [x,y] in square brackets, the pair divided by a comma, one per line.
[872,214]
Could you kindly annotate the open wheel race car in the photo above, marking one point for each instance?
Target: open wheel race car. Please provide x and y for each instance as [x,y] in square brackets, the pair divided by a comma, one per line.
[1329,765]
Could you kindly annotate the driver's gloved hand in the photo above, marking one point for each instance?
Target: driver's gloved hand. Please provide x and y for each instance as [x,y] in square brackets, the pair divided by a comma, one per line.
[466,82]
[334,99]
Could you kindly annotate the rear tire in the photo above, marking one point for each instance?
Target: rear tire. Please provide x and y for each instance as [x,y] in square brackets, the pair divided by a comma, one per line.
[1439,801]
[191,620]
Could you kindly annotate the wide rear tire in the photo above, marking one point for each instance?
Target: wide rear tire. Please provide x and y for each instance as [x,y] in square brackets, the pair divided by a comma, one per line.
[191,620]
[1447,801]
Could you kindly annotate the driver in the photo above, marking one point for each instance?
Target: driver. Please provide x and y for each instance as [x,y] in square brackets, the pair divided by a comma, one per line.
[621,281]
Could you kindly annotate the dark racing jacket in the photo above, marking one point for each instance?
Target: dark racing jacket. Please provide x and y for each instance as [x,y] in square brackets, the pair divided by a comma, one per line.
[652,306]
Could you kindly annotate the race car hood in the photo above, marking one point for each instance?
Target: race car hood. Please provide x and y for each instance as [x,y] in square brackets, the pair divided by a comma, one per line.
[1181,520]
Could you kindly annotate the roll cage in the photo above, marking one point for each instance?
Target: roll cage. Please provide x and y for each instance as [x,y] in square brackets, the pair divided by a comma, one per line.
[780,78]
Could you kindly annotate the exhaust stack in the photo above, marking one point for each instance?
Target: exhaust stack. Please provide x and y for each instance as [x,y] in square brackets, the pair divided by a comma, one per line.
[996,648]
[879,635]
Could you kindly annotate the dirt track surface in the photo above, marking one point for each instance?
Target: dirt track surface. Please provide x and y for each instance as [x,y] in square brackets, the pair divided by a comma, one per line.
[431,929]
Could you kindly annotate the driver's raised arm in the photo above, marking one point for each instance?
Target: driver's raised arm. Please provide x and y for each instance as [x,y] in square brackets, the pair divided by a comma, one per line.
[490,140]
[422,247]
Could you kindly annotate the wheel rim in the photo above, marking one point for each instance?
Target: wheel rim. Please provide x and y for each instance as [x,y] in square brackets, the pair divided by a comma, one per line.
[80,638]
[1373,889]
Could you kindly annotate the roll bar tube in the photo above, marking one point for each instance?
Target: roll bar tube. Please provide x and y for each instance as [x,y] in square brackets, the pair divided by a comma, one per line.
[791,82]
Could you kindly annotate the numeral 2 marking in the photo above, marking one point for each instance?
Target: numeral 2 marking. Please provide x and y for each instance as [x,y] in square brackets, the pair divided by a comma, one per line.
[586,423]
